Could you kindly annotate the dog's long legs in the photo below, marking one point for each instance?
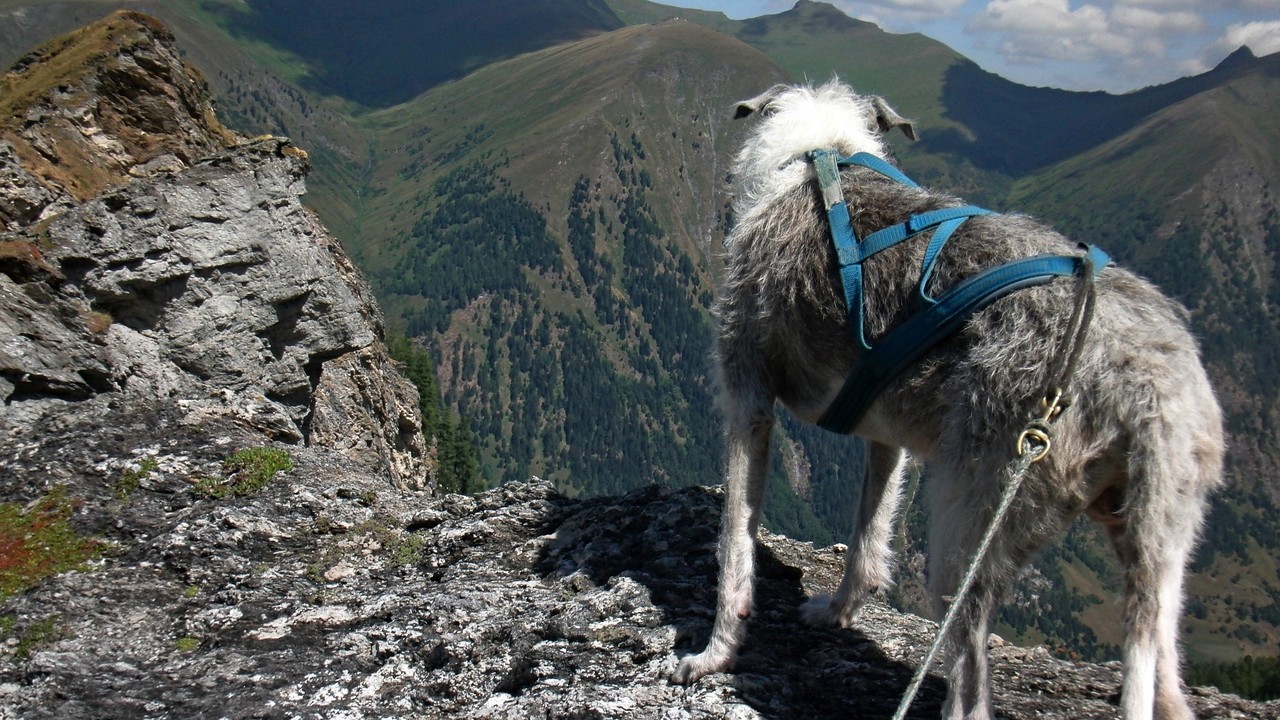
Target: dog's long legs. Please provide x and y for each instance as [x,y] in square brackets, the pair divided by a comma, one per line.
[748,426]
[868,564]
[955,529]
[961,502]
[1153,603]
[1162,510]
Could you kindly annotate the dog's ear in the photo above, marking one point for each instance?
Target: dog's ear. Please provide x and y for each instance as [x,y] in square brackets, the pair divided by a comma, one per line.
[888,118]
[759,103]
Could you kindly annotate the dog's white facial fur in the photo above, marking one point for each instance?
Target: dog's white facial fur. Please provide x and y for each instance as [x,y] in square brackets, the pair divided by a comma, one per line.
[795,120]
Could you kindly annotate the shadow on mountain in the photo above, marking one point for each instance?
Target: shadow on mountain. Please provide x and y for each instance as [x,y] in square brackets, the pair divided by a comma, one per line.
[665,540]
[1016,130]
[385,52]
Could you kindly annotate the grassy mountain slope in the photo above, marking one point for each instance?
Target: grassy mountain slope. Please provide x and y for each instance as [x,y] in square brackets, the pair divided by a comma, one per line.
[1191,197]
[592,172]
[556,115]
[547,224]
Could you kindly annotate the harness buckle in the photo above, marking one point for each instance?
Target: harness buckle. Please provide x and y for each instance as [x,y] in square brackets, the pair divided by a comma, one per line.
[1052,405]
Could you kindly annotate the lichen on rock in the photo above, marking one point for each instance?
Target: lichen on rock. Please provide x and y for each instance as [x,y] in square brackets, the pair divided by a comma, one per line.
[194,274]
[177,305]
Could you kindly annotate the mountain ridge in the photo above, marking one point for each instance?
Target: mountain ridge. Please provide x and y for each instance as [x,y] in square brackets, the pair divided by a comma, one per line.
[253,550]
[618,287]
[1083,121]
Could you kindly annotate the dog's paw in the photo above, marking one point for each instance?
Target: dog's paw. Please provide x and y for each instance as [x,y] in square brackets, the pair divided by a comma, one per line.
[828,611]
[694,667]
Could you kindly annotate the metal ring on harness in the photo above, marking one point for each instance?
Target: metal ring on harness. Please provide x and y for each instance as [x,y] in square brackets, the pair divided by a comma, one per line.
[1035,440]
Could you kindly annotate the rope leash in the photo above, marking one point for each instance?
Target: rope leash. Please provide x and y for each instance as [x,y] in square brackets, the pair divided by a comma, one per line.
[1006,500]
[1034,443]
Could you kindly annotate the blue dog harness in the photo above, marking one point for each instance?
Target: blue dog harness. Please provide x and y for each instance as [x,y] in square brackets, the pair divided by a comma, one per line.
[938,317]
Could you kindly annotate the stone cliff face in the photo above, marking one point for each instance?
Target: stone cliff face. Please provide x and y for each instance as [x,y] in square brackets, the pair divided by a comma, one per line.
[89,110]
[152,254]
[190,307]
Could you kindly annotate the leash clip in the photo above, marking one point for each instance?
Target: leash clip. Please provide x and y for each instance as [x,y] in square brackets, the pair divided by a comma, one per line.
[1035,439]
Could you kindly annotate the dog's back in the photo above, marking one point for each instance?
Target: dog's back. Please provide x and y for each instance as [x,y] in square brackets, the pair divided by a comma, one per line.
[1139,448]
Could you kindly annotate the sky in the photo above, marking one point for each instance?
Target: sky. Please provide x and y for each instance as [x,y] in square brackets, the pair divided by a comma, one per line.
[1112,45]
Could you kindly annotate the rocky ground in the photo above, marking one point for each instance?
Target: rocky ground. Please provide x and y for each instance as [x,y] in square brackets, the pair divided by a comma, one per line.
[174,305]
[330,593]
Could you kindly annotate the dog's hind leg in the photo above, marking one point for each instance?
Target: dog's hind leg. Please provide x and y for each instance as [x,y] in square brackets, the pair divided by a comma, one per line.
[1171,468]
[749,421]
[958,507]
[868,563]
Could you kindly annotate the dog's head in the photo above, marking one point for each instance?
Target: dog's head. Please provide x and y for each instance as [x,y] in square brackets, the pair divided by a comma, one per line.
[796,119]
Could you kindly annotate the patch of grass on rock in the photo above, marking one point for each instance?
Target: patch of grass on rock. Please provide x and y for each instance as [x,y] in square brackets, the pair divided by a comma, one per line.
[37,541]
[248,471]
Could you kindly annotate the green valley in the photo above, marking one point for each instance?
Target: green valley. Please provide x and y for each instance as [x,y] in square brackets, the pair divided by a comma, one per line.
[540,208]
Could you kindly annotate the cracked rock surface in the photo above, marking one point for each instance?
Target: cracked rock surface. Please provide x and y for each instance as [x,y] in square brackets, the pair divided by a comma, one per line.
[333,594]
[215,287]
[173,304]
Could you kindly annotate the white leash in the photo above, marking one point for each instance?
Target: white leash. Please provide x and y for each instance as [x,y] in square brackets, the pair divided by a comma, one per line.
[1033,444]
[1029,454]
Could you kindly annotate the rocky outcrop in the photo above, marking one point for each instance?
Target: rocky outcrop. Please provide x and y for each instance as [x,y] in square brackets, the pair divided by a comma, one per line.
[193,309]
[87,111]
[194,274]
[329,594]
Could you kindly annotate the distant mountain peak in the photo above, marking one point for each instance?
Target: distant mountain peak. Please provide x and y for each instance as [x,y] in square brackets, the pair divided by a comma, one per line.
[1243,57]
[813,10]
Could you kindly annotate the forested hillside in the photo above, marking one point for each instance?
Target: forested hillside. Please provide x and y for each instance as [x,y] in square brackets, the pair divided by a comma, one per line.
[577,341]
[540,207]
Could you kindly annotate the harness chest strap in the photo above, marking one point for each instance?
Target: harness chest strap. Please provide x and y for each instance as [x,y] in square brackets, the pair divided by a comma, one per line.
[938,317]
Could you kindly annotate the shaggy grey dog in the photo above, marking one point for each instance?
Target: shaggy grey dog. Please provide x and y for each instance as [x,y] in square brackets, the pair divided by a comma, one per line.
[1138,450]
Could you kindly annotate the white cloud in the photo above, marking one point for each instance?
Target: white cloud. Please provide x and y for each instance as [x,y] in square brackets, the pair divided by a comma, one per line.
[894,9]
[1170,3]
[1262,37]
[1192,66]
[1040,16]
[1036,30]
[1178,21]
[1125,41]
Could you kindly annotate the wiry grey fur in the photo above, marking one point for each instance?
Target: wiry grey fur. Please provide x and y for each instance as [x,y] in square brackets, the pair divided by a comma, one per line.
[1138,450]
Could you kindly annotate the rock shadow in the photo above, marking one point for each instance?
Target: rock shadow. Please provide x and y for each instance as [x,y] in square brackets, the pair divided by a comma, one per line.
[665,540]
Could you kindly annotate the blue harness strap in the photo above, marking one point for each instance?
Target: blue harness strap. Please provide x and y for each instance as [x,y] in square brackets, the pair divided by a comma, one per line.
[939,317]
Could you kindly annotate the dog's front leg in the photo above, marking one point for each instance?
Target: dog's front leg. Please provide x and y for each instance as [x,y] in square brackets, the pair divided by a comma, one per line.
[868,564]
[747,445]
